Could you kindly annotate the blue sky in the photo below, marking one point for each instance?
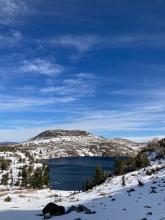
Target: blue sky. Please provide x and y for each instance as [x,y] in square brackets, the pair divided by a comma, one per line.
[95,65]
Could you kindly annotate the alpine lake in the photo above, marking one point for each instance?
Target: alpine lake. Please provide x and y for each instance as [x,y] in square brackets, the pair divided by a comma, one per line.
[71,173]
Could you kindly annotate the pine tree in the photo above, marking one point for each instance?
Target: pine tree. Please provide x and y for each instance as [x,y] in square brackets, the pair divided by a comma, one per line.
[99,175]
[120,167]
[5,179]
[24,176]
[45,175]
[4,164]
[89,184]
[17,183]
[123,181]
[142,160]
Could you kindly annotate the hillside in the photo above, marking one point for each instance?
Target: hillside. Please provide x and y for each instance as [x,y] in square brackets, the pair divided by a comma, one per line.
[64,143]
[28,156]
[110,200]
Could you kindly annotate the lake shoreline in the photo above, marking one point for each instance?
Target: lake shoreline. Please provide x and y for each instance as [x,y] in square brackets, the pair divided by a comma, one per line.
[71,173]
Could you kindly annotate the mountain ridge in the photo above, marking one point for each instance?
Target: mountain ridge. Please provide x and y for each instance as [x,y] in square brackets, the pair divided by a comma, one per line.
[59,132]
[68,143]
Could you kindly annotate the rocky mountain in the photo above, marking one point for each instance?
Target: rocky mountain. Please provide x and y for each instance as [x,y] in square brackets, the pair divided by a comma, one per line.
[49,134]
[75,143]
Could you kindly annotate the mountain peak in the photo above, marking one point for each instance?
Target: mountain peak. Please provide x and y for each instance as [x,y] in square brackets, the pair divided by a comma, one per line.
[49,134]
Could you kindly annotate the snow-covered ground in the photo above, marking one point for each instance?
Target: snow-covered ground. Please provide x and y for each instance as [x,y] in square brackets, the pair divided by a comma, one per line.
[111,200]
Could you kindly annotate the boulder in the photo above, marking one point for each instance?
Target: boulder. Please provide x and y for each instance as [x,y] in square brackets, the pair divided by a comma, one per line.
[80,208]
[153,191]
[53,210]
[140,183]
[130,190]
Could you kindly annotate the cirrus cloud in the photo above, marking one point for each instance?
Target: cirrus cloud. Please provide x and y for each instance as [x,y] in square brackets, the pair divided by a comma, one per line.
[41,66]
[11,10]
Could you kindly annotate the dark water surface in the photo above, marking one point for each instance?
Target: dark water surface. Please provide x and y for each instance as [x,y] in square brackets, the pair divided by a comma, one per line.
[72,173]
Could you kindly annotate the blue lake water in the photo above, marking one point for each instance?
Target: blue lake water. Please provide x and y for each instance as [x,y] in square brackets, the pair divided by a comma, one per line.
[72,173]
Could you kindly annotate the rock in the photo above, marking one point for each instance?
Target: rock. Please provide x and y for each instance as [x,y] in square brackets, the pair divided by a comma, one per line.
[154,182]
[144,219]
[80,208]
[153,187]
[140,183]
[130,190]
[153,191]
[72,209]
[53,210]
[149,213]
[148,207]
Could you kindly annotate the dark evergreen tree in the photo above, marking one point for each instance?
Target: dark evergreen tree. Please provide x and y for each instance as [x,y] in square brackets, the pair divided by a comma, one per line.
[123,181]
[17,183]
[142,160]
[89,184]
[119,167]
[45,175]
[24,176]
[5,179]
[99,175]
[4,164]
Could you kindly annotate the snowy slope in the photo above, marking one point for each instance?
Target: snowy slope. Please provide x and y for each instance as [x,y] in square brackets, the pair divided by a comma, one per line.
[110,200]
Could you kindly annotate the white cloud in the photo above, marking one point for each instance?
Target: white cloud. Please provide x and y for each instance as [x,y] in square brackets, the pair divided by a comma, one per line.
[141,119]
[136,40]
[144,139]
[140,92]
[17,65]
[14,103]
[41,66]
[88,42]
[78,86]
[86,75]
[81,43]
[11,10]
[13,38]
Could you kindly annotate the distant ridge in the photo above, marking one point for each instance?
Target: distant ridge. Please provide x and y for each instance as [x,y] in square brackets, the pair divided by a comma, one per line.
[76,143]
[2,144]
[49,134]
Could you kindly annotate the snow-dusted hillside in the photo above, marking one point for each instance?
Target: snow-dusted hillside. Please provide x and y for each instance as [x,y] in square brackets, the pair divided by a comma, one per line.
[110,200]
[63,143]
[58,143]
[17,161]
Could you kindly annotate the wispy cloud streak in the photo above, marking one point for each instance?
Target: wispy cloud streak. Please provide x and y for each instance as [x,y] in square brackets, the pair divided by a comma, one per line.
[88,42]
[11,10]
